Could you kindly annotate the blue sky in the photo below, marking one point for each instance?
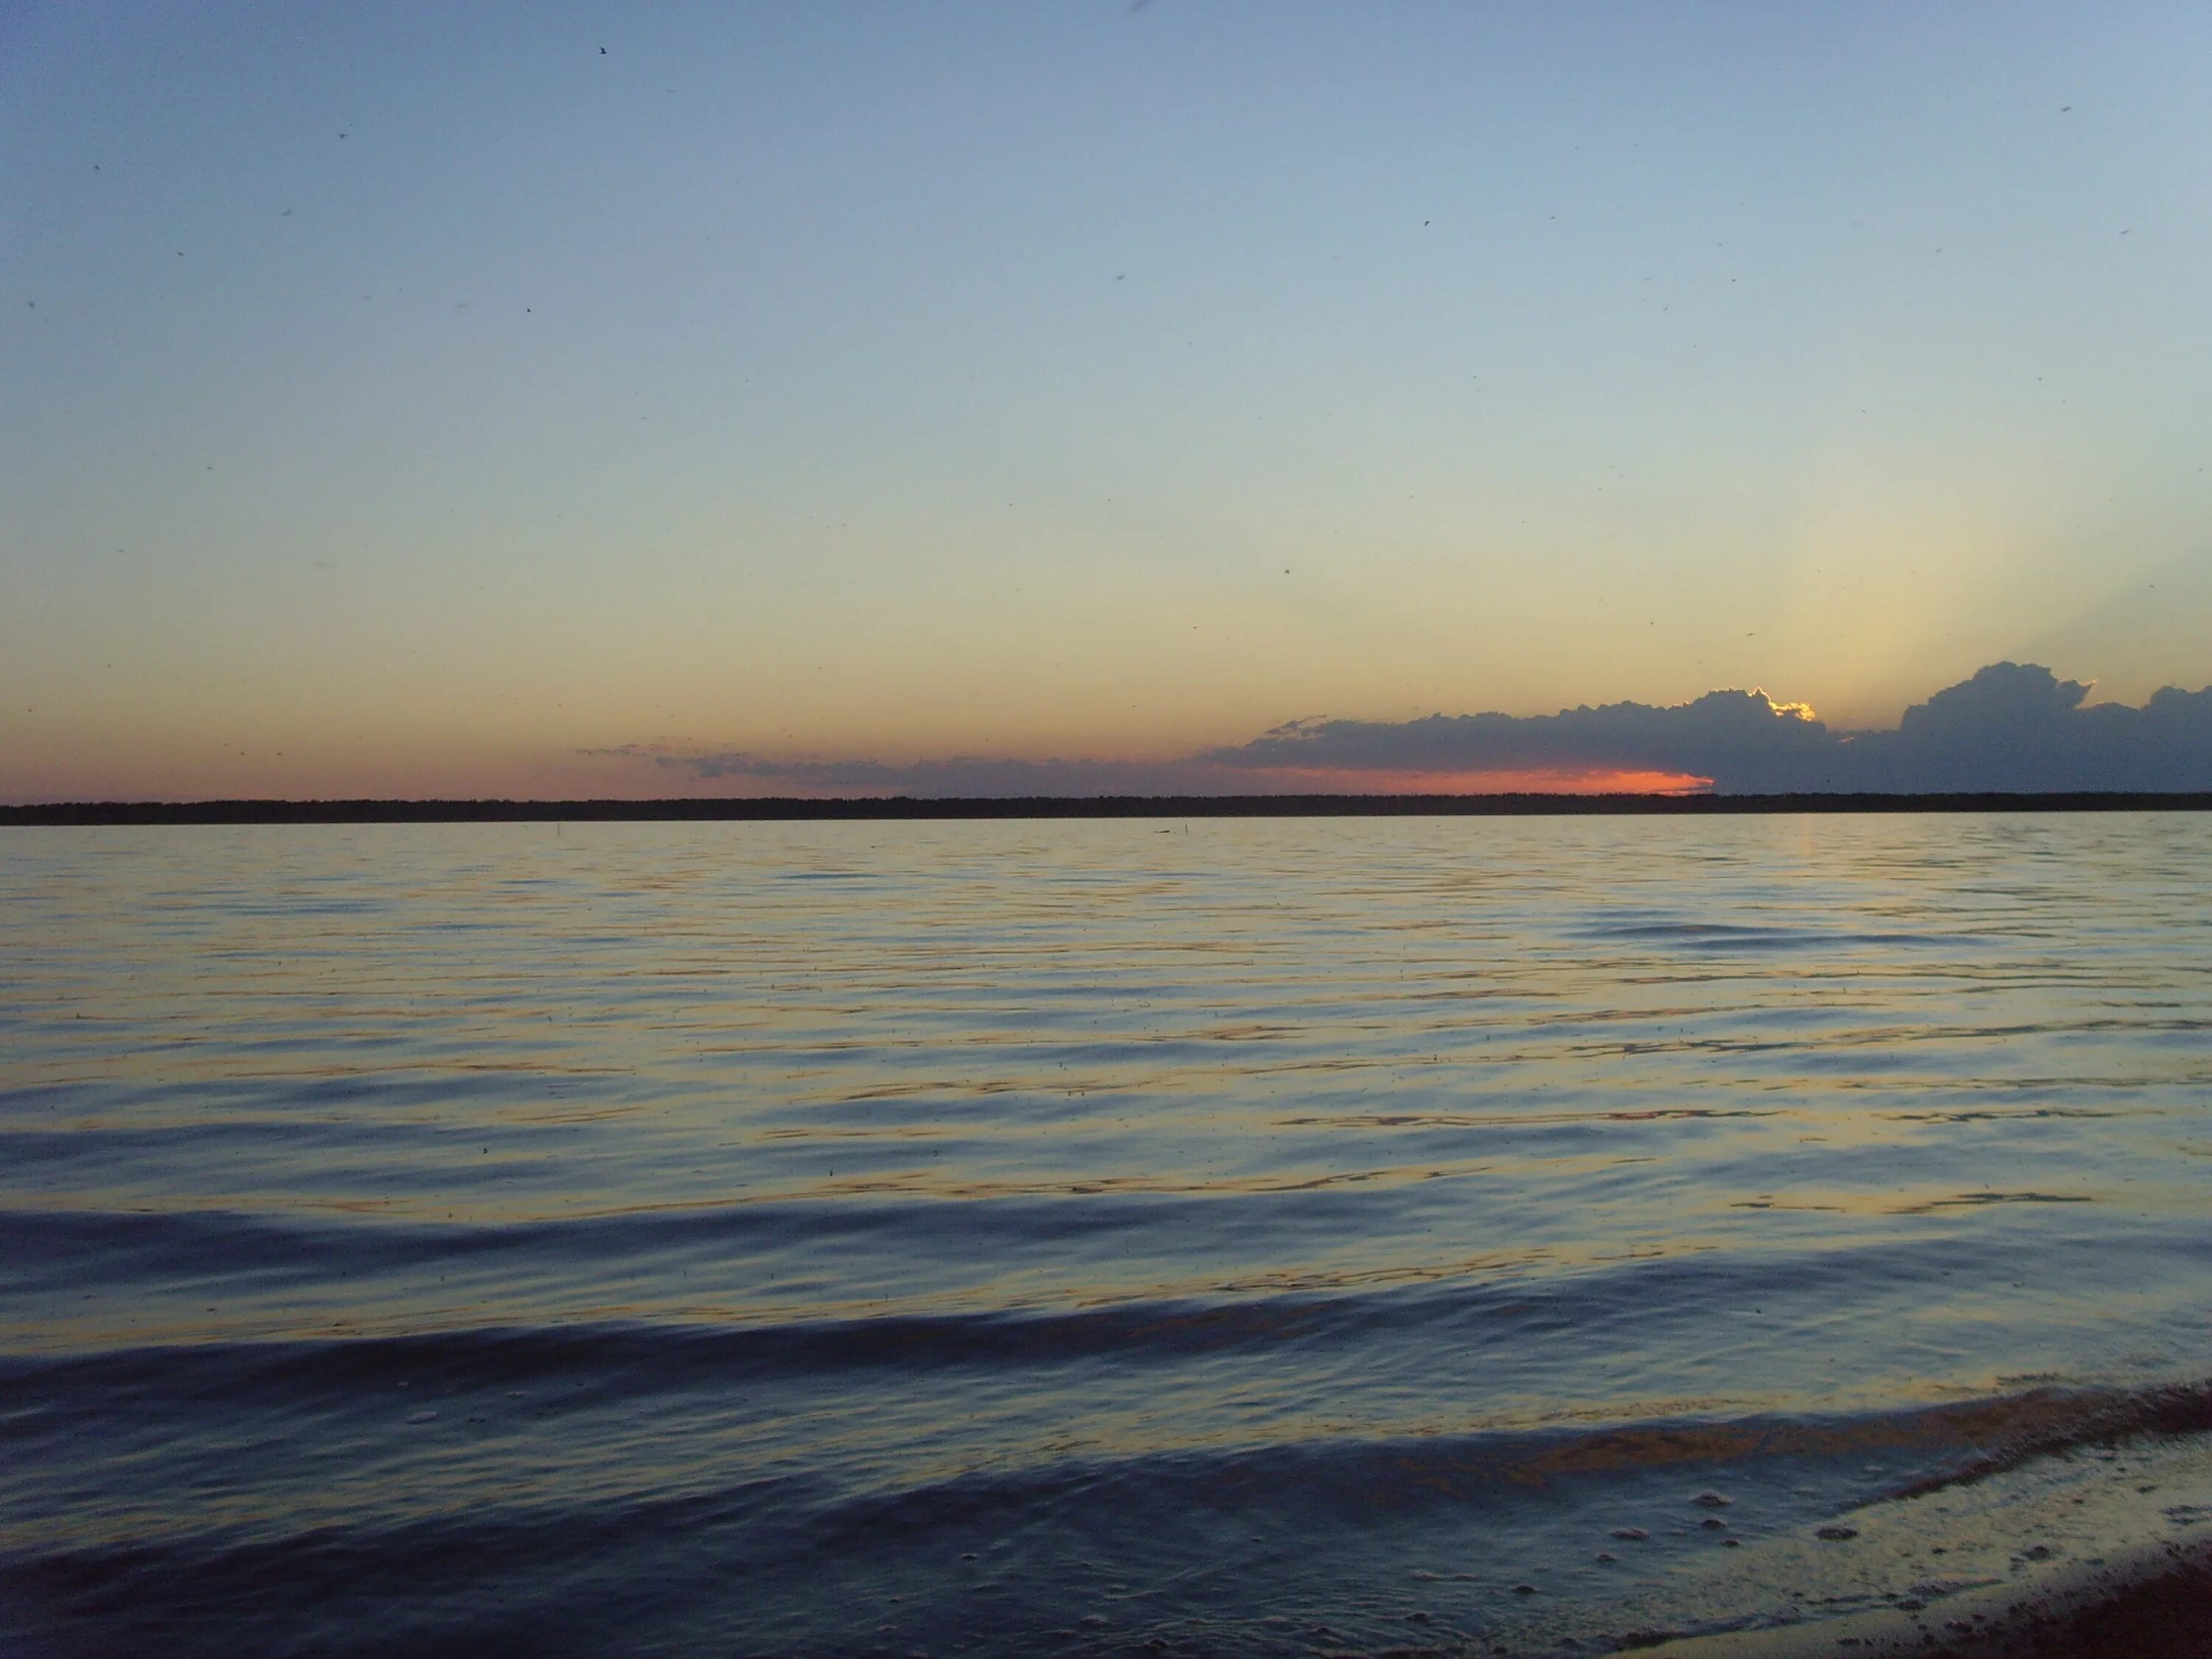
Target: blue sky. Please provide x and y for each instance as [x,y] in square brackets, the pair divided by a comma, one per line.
[414,399]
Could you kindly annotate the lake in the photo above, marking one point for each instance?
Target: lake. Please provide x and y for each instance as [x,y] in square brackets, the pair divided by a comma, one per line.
[1237,1236]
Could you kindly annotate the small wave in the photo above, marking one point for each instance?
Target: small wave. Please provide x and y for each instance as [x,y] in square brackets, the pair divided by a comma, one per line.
[777,1541]
[1974,1200]
[1736,936]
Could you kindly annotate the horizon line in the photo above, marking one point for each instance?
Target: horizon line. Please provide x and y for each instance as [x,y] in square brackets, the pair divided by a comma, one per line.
[892,808]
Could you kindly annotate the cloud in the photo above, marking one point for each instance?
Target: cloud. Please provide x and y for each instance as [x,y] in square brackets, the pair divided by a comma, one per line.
[2018,726]
[2013,726]
[982,777]
[1721,732]
[957,775]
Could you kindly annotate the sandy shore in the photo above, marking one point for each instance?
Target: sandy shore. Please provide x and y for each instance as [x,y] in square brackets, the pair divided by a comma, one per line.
[2101,1550]
[2156,1606]
[2168,1617]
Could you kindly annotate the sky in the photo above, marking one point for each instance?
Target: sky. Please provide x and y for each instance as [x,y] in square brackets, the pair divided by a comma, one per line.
[551,400]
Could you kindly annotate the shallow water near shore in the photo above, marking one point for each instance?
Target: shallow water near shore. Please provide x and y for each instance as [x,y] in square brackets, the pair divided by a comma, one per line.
[1255,1237]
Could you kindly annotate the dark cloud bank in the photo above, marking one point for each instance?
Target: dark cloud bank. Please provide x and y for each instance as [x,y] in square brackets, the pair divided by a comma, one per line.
[2012,727]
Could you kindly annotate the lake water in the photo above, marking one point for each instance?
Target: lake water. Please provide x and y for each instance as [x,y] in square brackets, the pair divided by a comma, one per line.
[1250,1237]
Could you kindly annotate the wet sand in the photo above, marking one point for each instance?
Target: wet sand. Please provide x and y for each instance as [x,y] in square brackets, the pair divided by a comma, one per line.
[2165,1616]
[2168,1617]
[2099,1551]
[2158,1607]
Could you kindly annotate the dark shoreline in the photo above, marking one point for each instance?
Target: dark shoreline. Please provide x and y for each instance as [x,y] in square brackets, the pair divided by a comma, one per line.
[782,809]
[2159,1607]
[2165,1616]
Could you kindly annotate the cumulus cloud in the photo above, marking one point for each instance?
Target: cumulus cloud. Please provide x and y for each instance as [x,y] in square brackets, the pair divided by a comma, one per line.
[1721,732]
[2013,726]
[2018,726]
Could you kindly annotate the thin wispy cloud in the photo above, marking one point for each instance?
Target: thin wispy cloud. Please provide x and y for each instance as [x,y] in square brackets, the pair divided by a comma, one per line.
[955,775]
[2011,727]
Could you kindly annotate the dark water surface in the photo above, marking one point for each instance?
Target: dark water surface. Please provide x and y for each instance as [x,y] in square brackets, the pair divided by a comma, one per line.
[1273,1236]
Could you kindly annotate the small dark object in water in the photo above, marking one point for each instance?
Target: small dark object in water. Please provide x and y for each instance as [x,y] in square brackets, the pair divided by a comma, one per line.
[1524,1590]
[1711,1500]
[1837,1534]
[1635,1533]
